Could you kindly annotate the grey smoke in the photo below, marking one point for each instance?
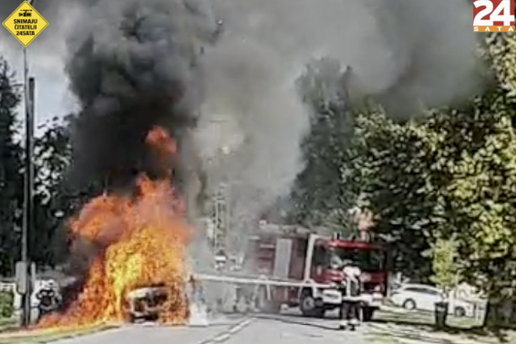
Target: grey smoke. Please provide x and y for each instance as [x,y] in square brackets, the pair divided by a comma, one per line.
[240,106]
[409,54]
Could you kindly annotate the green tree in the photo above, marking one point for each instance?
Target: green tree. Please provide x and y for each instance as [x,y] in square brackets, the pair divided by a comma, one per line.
[11,181]
[391,172]
[450,176]
[52,200]
[319,196]
[482,189]
[444,253]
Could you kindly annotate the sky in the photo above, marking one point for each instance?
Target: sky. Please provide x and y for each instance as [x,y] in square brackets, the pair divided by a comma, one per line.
[45,57]
[52,96]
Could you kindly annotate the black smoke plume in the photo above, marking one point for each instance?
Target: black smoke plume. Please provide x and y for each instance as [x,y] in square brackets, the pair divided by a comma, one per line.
[133,65]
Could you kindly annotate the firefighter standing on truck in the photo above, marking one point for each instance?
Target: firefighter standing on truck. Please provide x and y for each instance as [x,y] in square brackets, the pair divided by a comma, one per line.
[349,312]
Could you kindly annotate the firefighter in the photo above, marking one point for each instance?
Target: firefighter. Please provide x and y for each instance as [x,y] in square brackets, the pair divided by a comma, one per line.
[349,312]
[49,299]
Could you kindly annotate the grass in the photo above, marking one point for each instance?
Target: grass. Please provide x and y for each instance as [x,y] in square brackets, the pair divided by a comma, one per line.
[49,335]
[422,318]
[391,327]
[6,323]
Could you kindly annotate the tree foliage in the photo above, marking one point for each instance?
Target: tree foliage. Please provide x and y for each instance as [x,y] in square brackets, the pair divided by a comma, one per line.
[450,176]
[318,193]
[391,168]
[483,190]
[53,201]
[447,178]
[11,182]
[445,270]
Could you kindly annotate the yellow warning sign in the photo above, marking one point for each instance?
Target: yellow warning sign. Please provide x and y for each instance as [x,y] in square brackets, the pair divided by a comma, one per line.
[25,23]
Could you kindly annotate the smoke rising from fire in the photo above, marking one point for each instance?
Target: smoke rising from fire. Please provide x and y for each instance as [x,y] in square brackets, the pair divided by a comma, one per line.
[132,67]
[237,104]
[408,54]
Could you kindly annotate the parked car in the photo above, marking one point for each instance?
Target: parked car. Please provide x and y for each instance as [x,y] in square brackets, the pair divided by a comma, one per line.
[423,297]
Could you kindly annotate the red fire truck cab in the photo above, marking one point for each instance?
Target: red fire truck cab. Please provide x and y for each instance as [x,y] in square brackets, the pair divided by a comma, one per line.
[313,264]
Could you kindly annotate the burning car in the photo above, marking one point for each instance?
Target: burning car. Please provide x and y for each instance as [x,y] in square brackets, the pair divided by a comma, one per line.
[145,303]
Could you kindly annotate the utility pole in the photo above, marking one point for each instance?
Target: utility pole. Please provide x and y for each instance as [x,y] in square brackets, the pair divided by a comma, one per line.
[29,94]
[28,196]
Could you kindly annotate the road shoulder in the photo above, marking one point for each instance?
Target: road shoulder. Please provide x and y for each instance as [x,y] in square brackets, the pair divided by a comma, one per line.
[50,335]
[412,327]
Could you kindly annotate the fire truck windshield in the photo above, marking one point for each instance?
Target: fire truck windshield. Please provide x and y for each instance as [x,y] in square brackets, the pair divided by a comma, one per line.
[368,260]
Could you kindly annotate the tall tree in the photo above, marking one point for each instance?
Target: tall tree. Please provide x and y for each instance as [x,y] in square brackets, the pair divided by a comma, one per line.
[391,170]
[451,176]
[483,191]
[318,193]
[11,181]
[53,201]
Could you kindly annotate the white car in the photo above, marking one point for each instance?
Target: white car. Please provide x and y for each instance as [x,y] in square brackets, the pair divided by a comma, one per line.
[424,297]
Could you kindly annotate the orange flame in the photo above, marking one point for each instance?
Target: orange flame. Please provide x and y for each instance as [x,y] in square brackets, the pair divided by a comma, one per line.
[159,138]
[145,241]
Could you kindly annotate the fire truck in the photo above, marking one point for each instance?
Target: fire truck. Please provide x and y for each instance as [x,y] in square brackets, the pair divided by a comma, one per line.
[299,267]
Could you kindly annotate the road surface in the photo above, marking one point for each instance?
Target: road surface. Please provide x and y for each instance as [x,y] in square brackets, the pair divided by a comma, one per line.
[255,329]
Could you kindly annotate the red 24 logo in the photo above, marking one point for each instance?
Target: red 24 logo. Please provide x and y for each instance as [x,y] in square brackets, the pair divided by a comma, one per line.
[500,14]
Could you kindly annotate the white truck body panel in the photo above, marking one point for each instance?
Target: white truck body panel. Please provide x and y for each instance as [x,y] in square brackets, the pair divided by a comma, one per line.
[282,258]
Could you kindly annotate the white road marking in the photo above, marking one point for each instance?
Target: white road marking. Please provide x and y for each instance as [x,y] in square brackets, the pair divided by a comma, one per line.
[222,337]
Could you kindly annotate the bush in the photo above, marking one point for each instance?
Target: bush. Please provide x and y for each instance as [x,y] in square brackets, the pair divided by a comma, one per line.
[6,304]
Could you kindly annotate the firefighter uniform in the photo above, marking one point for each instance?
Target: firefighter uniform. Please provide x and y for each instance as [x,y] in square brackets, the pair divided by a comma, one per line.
[349,312]
[49,300]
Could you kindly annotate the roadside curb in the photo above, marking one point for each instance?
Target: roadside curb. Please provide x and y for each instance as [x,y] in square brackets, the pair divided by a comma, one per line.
[44,338]
[224,336]
[393,309]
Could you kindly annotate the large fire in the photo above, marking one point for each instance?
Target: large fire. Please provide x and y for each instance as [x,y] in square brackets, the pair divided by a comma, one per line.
[144,240]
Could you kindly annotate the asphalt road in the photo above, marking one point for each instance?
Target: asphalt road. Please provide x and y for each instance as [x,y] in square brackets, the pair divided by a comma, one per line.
[255,329]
